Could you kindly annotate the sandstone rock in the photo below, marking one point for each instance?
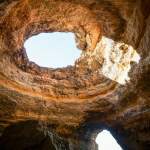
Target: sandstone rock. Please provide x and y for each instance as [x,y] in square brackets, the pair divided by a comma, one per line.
[31,135]
[107,88]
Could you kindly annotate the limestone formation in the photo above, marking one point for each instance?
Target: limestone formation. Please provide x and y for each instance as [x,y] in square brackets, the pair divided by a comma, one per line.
[31,135]
[107,88]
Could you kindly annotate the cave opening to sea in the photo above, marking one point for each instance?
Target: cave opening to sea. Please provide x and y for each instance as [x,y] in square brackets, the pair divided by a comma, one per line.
[106,141]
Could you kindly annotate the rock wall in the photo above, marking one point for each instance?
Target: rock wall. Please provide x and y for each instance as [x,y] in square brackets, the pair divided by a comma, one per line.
[108,86]
[31,135]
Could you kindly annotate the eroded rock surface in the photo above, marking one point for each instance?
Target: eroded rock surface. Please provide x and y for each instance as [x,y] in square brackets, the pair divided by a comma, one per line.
[31,135]
[108,86]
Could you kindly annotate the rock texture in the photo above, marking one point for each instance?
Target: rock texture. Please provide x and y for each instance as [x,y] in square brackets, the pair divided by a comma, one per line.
[108,86]
[31,135]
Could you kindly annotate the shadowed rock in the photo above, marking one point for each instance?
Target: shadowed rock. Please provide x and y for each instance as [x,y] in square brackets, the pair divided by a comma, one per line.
[31,135]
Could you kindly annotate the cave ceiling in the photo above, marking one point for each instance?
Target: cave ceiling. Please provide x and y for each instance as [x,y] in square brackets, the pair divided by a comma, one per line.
[107,88]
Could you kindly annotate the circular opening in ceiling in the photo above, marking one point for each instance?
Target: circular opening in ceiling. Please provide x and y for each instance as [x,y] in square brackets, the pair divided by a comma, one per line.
[52,50]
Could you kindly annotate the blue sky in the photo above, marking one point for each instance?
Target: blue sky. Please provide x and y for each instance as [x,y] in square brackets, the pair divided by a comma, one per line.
[52,50]
[55,50]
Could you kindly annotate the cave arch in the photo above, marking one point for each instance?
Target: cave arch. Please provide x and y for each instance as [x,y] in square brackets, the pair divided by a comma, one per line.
[84,91]
[106,141]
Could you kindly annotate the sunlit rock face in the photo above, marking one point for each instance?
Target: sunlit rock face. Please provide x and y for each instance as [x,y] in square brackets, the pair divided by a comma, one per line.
[108,86]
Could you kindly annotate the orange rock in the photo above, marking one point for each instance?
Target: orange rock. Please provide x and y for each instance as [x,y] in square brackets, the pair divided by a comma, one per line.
[107,88]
